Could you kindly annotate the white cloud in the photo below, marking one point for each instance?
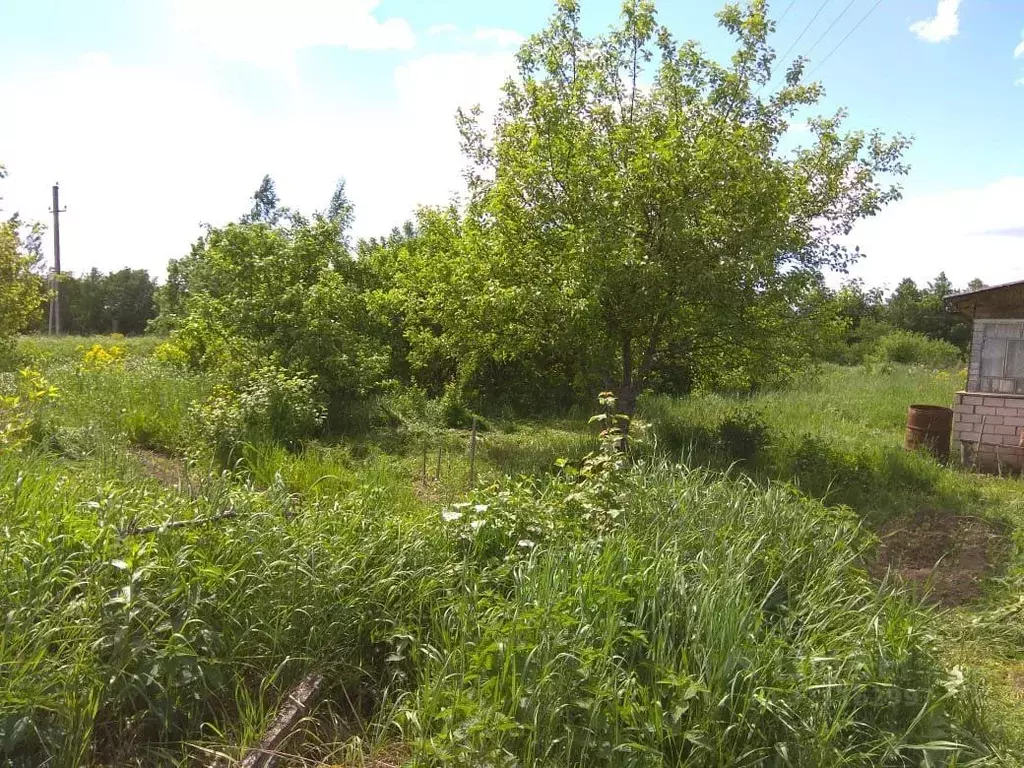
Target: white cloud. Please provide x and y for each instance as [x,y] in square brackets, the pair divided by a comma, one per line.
[505,38]
[967,233]
[268,33]
[441,29]
[152,154]
[1019,50]
[943,26]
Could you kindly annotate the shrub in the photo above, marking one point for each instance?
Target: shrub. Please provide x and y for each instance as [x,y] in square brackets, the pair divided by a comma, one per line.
[287,293]
[21,405]
[97,357]
[743,433]
[273,404]
[171,354]
[454,413]
[908,347]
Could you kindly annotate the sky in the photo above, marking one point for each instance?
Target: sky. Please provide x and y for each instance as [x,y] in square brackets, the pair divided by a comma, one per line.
[158,116]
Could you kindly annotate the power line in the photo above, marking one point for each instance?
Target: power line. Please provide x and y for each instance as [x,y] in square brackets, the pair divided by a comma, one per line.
[864,18]
[788,7]
[830,27]
[801,35]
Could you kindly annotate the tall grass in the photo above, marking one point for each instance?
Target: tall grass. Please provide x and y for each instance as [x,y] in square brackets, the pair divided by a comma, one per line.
[659,615]
[717,625]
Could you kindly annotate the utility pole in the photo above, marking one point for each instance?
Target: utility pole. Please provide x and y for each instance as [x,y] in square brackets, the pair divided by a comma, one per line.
[56,210]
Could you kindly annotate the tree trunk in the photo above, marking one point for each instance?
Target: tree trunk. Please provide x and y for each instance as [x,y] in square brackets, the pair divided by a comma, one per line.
[625,401]
[627,392]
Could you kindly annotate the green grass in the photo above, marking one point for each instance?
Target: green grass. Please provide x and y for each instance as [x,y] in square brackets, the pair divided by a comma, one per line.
[839,435]
[641,614]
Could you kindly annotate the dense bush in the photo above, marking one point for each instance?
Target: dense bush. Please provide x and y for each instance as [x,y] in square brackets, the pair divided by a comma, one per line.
[909,347]
[21,285]
[269,403]
[743,433]
[281,295]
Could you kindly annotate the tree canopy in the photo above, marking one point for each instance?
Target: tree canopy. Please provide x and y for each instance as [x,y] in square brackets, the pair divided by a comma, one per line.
[633,209]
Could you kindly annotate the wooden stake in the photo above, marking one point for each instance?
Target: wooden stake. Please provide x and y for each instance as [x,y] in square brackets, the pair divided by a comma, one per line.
[437,475]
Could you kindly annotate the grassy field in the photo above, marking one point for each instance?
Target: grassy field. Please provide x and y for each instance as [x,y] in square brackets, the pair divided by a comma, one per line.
[697,605]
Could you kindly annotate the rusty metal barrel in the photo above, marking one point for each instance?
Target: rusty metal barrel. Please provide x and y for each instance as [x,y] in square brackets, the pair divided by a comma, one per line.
[929,427]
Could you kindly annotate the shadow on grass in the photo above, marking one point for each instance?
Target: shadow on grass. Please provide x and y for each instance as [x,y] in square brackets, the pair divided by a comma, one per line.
[877,481]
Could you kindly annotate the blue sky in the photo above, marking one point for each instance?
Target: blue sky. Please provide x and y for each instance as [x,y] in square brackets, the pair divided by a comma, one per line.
[157,116]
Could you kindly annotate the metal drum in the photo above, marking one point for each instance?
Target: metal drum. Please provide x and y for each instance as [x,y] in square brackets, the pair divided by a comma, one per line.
[929,427]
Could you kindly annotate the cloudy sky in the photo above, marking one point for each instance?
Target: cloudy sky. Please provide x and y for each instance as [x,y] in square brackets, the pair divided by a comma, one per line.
[156,116]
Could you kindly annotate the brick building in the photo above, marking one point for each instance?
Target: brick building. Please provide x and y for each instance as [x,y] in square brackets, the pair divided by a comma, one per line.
[988,417]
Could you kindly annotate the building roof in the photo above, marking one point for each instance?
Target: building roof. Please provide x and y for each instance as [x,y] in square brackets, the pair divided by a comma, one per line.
[986,289]
[1003,300]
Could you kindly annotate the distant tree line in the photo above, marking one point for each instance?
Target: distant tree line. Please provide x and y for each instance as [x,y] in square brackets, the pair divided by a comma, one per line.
[869,314]
[98,303]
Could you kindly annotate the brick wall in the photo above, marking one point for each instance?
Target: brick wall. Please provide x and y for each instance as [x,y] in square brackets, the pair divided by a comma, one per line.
[991,427]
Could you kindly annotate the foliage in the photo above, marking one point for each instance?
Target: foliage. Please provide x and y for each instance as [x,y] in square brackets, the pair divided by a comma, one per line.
[97,357]
[909,347]
[633,200]
[95,303]
[266,206]
[278,291]
[559,622]
[171,354]
[270,404]
[21,287]
[868,315]
[629,643]
[836,435]
[601,614]
[743,433]
[19,409]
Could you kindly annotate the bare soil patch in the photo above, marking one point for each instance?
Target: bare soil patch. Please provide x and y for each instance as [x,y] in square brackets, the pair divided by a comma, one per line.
[168,470]
[942,555]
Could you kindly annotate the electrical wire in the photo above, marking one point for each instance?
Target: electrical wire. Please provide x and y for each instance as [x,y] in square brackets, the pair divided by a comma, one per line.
[788,7]
[801,35]
[830,27]
[864,18]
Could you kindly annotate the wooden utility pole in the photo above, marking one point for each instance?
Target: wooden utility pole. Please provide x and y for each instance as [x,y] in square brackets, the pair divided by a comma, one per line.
[56,210]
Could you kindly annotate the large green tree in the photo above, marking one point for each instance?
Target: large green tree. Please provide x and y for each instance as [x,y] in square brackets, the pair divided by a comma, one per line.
[634,204]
